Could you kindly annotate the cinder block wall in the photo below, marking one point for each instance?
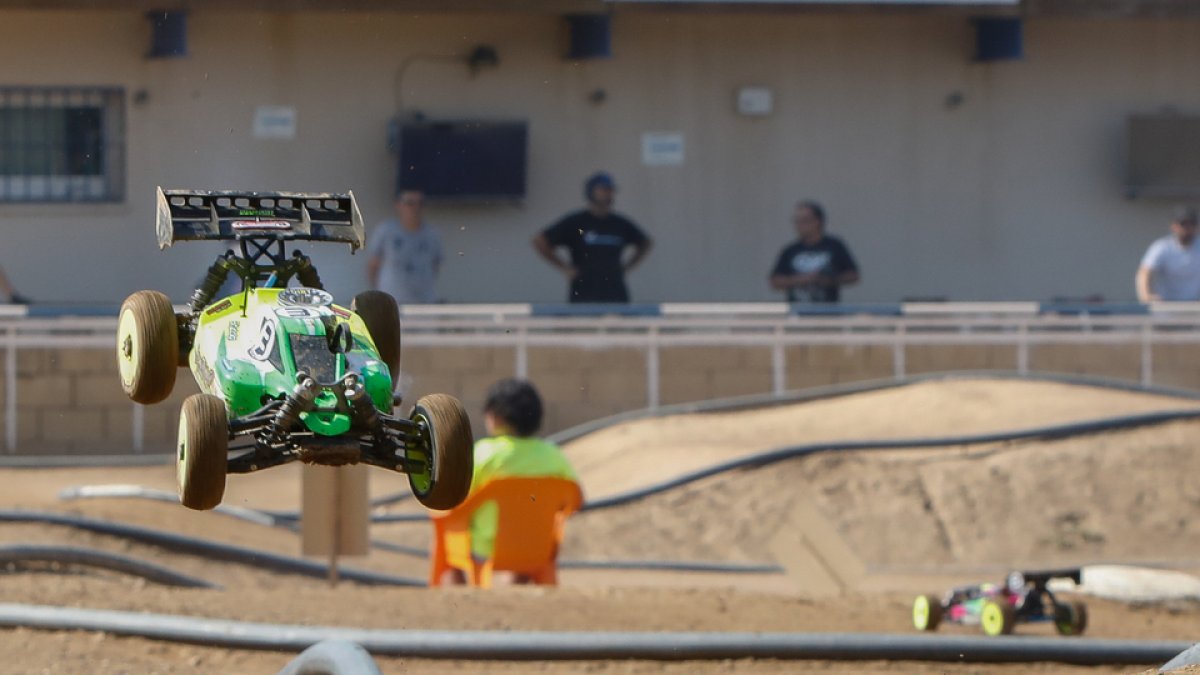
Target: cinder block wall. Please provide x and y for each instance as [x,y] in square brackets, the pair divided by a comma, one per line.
[70,400]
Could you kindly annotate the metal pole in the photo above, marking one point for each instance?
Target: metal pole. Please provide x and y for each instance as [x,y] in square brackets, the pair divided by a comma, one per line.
[1147,356]
[652,382]
[336,545]
[522,356]
[10,391]
[1023,349]
[778,363]
[139,427]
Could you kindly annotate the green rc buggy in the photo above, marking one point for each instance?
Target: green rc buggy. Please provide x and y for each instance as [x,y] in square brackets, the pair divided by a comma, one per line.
[285,373]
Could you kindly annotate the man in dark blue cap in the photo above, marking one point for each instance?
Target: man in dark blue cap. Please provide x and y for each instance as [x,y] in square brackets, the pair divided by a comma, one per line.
[596,240]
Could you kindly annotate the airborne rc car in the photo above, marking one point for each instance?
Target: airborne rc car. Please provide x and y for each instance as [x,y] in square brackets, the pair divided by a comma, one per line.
[285,373]
[998,608]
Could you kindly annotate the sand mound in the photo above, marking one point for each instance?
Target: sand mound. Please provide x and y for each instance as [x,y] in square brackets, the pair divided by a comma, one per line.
[647,451]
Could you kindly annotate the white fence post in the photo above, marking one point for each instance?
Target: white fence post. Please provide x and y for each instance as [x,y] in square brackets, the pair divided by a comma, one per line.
[522,356]
[652,382]
[1147,356]
[778,363]
[10,390]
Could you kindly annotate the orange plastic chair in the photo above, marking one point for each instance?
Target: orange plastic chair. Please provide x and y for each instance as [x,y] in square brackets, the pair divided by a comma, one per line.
[533,513]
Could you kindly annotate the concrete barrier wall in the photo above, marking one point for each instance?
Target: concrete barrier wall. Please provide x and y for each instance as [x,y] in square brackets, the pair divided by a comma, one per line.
[70,400]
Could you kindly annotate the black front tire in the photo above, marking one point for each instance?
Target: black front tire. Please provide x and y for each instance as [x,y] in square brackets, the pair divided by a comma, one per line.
[381,314]
[449,452]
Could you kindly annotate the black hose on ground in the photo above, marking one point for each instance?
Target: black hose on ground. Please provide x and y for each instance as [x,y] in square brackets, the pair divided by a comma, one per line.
[210,549]
[752,401]
[1051,432]
[23,554]
[545,646]
[332,657]
[260,518]
[753,461]
[288,520]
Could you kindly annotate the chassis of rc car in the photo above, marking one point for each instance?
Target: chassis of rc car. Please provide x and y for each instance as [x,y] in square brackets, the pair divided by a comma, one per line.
[998,608]
[285,373]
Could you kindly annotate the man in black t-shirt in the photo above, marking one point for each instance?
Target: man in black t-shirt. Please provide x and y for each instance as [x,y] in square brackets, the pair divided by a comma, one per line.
[815,266]
[596,239]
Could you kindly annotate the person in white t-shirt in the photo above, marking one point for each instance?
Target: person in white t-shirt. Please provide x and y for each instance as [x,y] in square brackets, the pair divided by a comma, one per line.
[405,253]
[1170,270]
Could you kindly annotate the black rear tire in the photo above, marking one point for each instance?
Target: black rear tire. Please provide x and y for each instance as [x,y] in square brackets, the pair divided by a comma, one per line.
[381,314]
[449,452]
[1070,618]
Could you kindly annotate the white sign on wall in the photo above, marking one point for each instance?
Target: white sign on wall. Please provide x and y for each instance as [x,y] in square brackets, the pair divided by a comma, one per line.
[275,122]
[662,148]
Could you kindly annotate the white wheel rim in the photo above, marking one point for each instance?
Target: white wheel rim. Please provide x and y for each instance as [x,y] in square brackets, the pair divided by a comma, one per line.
[182,451]
[129,348]
[921,613]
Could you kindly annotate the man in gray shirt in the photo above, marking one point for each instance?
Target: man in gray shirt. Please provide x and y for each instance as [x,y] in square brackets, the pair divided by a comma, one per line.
[1170,269]
[404,253]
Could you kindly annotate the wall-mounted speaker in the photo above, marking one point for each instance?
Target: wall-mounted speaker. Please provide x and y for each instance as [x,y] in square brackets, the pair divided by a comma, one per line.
[168,39]
[591,36]
[998,38]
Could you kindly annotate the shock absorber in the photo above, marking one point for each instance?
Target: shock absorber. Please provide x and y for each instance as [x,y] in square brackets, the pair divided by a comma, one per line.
[364,409]
[307,274]
[289,413]
[209,287]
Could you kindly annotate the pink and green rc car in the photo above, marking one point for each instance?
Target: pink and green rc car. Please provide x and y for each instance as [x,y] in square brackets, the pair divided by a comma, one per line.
[285,373]
[998,608]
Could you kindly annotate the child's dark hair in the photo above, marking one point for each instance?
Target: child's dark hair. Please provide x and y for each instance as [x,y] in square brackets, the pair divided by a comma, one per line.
[517,404]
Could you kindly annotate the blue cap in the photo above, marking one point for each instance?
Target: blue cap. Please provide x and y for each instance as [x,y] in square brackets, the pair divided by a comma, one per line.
[598,179]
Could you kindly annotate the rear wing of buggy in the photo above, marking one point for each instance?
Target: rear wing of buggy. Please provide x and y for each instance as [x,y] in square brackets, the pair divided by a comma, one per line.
[205,215]
[1042,577]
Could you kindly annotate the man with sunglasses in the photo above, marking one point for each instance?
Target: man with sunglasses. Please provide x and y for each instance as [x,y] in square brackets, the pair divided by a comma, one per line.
[815,266]
[1170,269]
[404,253]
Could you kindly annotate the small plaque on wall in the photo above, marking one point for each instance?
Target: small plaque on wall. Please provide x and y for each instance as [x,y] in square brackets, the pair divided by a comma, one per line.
[662,148]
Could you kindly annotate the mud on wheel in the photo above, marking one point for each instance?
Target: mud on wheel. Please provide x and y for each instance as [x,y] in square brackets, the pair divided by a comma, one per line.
[446,450]
[147,347]
[202,451]
[379,312]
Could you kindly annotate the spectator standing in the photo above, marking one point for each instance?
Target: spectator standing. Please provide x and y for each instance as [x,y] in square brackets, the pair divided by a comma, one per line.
[8,293]
[596,239]
[512,415]
[404,254]
[1170,269]
[816,266]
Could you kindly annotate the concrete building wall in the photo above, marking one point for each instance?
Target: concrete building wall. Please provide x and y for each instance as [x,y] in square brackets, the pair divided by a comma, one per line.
[1015,192]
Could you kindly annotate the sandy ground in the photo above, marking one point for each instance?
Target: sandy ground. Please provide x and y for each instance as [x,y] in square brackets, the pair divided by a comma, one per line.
[857,534]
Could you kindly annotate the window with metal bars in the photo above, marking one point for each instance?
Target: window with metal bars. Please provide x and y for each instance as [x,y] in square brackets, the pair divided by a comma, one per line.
[62,144]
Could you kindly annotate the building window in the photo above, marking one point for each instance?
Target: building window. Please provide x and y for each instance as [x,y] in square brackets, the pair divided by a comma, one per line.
[62,144]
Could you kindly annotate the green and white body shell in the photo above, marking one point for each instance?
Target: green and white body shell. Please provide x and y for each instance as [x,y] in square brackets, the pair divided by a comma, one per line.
[250,346]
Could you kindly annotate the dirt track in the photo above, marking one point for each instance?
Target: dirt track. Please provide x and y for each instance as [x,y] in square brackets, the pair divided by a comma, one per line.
[858,533]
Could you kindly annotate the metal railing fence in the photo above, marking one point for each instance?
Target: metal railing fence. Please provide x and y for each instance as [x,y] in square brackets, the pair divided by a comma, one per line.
[776,327]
